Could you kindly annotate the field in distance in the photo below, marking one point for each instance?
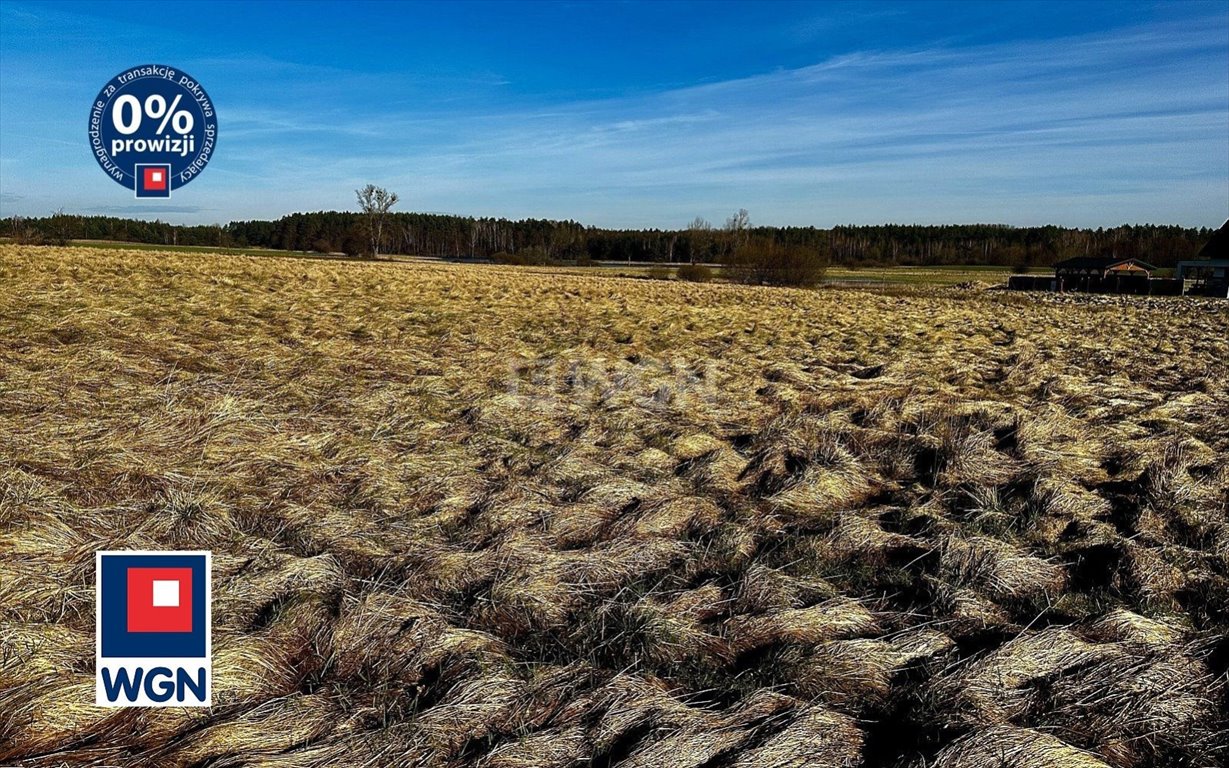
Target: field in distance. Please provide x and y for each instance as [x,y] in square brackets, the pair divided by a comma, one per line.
[476,515]
[835,275]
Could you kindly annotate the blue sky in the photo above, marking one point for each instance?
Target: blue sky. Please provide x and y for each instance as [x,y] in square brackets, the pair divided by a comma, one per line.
[648,114]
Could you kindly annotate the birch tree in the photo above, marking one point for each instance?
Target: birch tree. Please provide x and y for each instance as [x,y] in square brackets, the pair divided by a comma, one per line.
[375,203]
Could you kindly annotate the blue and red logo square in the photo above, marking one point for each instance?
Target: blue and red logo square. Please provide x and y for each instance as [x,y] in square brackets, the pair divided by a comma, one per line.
[153,179]
[153,638]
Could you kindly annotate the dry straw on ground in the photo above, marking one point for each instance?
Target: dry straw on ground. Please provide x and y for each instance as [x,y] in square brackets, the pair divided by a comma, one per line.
[481,516]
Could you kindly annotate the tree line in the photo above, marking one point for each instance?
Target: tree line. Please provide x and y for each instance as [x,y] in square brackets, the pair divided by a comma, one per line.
[544,241]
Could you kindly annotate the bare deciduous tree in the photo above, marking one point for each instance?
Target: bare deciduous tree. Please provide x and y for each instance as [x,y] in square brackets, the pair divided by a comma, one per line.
[23,233]
[376,203]
[738,229]
[700,232]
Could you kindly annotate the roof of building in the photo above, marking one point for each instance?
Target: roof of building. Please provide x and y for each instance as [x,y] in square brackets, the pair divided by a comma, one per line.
[1217,246]
[1100,263]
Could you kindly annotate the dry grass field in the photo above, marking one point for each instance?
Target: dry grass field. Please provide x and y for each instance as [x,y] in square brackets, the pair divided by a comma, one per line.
[468,515]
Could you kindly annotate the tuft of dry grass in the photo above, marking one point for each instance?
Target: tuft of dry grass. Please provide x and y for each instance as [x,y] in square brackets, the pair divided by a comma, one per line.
[467,515]
[1008,747]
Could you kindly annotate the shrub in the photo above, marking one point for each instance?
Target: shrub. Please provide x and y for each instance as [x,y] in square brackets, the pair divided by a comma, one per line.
[355,245]
[764,262]
[27,235]
[659,273]
[696,273]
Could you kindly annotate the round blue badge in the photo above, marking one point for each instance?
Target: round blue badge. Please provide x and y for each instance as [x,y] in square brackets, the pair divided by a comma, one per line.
[153,129]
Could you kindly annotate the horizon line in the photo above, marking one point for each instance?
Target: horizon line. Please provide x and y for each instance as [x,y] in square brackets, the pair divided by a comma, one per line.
[715,226]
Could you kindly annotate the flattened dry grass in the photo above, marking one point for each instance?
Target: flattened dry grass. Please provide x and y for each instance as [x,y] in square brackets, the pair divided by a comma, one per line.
[482,516]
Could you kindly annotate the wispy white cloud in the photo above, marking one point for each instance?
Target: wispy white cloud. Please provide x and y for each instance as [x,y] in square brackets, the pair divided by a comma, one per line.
[1128,116]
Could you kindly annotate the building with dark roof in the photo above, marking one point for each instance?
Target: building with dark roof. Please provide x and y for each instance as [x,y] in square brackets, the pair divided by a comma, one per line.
[1208,273]
[1217,247]
[1105,274]
[1102,267]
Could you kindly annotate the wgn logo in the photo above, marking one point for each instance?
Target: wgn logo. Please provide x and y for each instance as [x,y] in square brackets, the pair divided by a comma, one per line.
[152,644]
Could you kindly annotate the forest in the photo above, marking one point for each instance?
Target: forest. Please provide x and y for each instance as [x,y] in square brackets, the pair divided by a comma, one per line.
[543,241]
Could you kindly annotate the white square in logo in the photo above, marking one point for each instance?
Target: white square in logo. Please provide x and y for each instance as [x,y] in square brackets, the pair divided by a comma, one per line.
[157,176]
[166,594]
